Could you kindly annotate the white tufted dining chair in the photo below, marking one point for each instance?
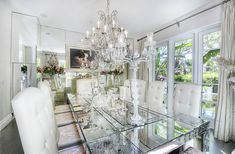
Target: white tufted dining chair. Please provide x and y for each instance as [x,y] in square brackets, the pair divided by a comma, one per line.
[64,117]
[84,86]
[141,85]
[233,152]
[155,96]
[45,86]
[187,99]
[48,91]
[35,122]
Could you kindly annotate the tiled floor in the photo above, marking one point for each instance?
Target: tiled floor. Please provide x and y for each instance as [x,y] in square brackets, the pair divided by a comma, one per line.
[10,142]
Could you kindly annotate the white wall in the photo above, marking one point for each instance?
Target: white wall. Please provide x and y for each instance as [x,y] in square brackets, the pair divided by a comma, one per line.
[19,36]
[5,38]
[54,39]
[207,18]
[24,35]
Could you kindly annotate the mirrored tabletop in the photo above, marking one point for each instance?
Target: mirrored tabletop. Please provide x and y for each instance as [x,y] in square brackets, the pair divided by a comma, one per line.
[108,129]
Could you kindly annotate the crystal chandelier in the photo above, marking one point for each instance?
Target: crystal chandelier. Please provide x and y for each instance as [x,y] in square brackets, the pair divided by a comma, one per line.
[107,36]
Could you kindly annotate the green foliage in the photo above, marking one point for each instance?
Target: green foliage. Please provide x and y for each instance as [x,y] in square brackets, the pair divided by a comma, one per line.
[208,106]
[24,69]
[183,45]
[183,77]
[158,57]
[210,77]
[183,63]
[180,128]
[210,54]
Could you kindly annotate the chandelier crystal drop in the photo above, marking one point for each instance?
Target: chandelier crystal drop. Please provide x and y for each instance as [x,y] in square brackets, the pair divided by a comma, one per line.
[107,36]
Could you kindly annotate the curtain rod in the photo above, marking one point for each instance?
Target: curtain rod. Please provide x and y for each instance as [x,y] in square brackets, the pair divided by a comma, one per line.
[176,23]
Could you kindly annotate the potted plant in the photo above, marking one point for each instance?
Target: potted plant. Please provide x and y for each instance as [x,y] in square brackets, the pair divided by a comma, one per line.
[24,75]
[24,69]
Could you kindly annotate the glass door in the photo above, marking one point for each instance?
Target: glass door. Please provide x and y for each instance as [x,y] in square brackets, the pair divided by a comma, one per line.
[210,72]
[183,69]
[161,67]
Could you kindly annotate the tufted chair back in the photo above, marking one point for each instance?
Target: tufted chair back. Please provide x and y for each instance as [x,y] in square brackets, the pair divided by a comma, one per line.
[74,85]
[84,86]
[44,86]
[155,96]
[187,99]
[46,89]
[59,81]
[141,85]
[35,122]
[123,93]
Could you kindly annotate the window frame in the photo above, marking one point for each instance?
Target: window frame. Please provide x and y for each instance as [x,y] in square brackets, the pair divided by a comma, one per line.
[182,38]
[200,56]
[197,68]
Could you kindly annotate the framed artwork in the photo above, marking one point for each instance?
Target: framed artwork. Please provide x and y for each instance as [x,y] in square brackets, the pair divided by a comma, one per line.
[79,57]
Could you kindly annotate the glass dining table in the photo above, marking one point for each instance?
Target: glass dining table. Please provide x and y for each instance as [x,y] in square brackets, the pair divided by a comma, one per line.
[107,129]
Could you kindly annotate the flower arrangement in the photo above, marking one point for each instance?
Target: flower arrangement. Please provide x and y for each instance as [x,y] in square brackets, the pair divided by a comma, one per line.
[103,73]
[112,72]
[51,68]
[117,72]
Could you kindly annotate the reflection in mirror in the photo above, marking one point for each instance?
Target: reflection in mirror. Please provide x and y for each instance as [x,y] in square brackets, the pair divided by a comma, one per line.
[24,43]
[24,75]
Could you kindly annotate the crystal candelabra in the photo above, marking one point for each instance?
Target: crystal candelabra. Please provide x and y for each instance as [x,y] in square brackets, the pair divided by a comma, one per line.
[133,60]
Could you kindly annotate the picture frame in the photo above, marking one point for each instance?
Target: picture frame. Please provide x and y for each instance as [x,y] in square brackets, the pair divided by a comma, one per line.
[79,57]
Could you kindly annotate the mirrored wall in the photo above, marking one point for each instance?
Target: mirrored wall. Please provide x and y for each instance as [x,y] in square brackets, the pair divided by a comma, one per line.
[25,40]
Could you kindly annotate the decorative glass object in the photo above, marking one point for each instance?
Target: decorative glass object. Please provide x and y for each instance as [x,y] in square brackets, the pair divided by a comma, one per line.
[133,59]
[107,36]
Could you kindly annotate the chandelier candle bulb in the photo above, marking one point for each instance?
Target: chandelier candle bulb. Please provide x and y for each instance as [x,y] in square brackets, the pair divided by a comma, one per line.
[110,46]
[87,34]
[98,24]
[105,28]
[126,33]
[113,23]
[93,29]
[121,40]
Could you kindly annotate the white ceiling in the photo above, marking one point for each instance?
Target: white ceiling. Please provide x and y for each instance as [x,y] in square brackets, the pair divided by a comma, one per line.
[137,16]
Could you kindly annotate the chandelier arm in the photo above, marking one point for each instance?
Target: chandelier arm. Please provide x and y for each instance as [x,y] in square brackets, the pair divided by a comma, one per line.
[107,9]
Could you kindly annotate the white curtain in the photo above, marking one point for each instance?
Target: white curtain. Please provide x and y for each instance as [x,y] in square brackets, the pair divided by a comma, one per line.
[225,107]
[143,67]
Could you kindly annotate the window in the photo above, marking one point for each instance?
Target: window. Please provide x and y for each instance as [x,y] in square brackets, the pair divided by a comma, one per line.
[191,57]
[210,72]
[161,64]
[183,61]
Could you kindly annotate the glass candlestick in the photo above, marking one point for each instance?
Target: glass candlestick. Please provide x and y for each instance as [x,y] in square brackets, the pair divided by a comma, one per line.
[135,119]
